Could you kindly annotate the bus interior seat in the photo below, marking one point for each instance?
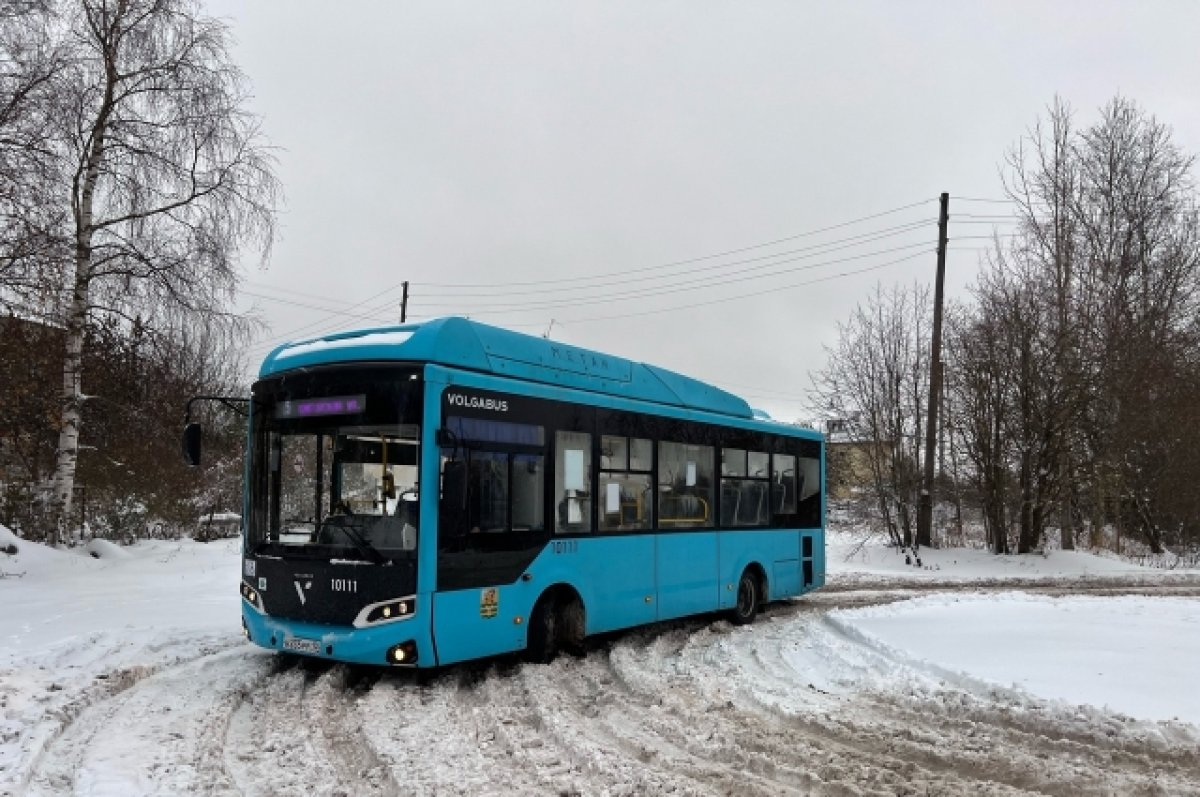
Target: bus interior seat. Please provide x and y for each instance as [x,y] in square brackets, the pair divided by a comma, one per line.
[731,497]
[753,502]
[394,533]
[787,497]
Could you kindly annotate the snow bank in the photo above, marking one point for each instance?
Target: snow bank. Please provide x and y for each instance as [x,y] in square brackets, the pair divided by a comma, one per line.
[7,538]
[105,549]
[849,559]
[30,558]
[1133,654]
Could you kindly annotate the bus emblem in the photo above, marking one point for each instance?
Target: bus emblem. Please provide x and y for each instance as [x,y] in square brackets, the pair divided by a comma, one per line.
[489,602]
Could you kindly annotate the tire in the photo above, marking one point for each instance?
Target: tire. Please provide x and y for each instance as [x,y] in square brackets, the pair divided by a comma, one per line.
[749,598]
[571,637]
[542,640]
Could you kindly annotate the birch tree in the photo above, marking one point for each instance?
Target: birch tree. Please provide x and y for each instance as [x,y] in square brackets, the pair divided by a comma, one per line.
[165,176]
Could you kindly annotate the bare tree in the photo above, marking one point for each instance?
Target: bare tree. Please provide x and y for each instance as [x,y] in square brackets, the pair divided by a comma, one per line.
[1140,232]
[1071,368]
[976,384]
[1044,182]
[31,60]
[874,380]
[164,171]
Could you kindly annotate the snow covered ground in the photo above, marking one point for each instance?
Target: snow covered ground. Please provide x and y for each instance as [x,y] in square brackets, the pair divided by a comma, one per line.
[973,674]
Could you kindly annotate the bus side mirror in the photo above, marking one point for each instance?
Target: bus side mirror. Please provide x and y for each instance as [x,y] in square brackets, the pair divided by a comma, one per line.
[191,444]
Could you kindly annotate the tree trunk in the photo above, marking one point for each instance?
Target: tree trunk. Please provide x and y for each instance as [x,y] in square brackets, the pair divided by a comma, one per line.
[82,205]
[1066,527]
[67,458]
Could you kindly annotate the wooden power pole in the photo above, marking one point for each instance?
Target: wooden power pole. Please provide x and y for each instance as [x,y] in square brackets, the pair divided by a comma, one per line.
[925,510]
[404,303]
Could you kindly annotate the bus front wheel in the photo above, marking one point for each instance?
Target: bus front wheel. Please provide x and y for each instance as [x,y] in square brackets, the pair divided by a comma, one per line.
[749,598]
[556,624]
[541,645]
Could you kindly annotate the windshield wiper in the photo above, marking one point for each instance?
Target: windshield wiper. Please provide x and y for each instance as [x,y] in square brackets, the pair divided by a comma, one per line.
[360,542]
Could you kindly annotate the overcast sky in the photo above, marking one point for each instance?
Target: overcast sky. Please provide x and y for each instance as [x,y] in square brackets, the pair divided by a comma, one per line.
[541,166]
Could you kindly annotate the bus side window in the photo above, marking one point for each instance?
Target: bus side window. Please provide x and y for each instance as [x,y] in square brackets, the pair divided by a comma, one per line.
[572,481]
[685,485]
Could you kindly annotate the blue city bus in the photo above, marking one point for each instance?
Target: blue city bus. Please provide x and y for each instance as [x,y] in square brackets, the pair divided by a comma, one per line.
[432,493]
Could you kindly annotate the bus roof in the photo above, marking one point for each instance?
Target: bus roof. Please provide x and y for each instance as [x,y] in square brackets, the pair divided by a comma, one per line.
[461,343]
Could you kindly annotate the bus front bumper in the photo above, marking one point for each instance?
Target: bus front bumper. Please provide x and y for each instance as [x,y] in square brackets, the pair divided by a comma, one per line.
[403,643]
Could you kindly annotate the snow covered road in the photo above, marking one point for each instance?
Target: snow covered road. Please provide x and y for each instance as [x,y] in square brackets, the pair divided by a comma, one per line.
[824,696]
[696,707]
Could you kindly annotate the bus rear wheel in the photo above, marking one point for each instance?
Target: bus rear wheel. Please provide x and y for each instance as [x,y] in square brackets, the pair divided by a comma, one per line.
[749,598]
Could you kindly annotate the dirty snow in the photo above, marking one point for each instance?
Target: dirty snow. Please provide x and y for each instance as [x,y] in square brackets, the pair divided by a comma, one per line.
[973,674]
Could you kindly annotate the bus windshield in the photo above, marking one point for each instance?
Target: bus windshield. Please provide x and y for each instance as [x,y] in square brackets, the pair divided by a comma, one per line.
[335,476]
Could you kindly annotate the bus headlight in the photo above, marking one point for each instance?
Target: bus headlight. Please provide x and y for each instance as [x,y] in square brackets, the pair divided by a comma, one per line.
[388,611]
[252,596]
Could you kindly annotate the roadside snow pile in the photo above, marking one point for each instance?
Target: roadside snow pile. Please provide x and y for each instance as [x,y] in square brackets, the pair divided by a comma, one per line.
[105,549]
[1134,655]
[849,559]
[29,558]
[8,544]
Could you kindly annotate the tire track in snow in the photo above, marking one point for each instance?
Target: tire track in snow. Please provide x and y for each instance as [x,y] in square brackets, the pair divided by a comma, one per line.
[441,738]
[303,733]
[695,707]
[581,705]
[824,761]
[700,707]
[157,732]
[693,746]
[924,737]
[1040,734]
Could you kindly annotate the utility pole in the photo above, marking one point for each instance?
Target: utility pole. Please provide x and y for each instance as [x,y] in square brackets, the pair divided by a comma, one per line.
[404,304]
[925,510]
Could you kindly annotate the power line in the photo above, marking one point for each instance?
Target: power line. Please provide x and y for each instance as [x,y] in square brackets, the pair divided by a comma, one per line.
[727,299]
[693,285]
[373,313]
[262,346]
[978,199]
[828,246]
[694,259]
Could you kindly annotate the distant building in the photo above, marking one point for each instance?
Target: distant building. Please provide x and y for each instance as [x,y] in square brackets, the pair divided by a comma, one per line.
[848,458]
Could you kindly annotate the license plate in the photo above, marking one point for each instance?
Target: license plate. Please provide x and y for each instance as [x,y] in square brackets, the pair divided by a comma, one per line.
[301,645]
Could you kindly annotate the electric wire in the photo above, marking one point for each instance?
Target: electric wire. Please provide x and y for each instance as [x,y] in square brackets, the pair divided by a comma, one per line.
[695,259]
[691,285]
[576,284]
[728,299]
[374,313]
[265,345]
